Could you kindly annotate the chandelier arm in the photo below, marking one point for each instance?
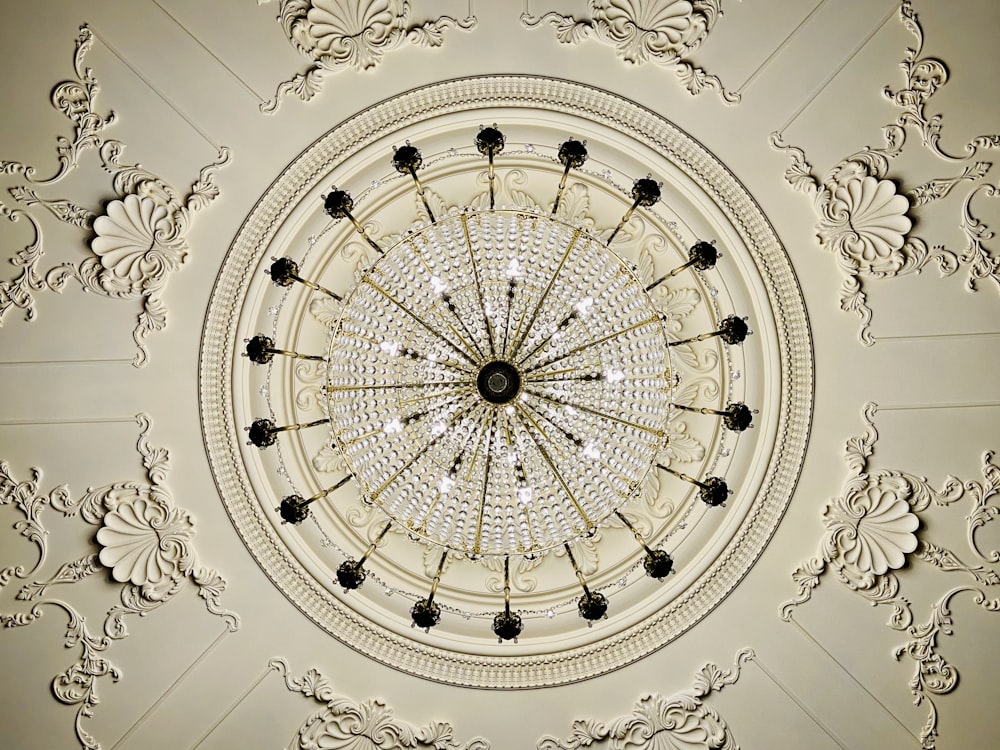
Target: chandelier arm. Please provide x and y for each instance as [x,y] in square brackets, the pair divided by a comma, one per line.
[572,153]
[524,331]
[681,475]
[576,568]
[437,576]
[635,533]
[374,544]
[559,191]
[479,287]
[621,223]
[645,193]
[555,471]
[693,339]
[596,342]
[423,197]
[317,287]
[421,322]
[669,275]
[364,233]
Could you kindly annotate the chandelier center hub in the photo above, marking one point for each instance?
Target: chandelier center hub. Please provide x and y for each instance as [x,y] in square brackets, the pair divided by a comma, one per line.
[499,382]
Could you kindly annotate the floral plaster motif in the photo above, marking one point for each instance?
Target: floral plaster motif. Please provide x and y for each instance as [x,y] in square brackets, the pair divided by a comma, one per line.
[865,217]
[872,532]
[338,34]
[138,238]
[680,722]
[662,31]
[145,544]
[343,724]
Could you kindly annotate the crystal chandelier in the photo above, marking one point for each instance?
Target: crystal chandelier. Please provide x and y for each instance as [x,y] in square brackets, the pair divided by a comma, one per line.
[499,383]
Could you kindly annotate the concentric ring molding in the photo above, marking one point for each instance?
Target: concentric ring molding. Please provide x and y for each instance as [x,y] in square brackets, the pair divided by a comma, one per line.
[523,95]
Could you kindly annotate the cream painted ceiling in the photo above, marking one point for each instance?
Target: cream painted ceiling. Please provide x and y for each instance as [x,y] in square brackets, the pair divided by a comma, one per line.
[879,586]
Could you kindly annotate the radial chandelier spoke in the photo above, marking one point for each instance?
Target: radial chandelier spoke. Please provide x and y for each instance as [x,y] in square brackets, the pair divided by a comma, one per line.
[499,385]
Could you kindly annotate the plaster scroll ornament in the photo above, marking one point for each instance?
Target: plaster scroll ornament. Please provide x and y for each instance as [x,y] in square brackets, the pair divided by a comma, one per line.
[666,32]
[873,531]
[865,217]
[145,544]
[679,722]
[343,724]
[134,244]
[337,34]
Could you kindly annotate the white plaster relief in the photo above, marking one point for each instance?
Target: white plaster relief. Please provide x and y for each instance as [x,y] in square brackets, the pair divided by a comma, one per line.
[137,239]
[865,218]
[666,32]
[343,724]
[872,530]
[145,544]
[338,34]
[679,722]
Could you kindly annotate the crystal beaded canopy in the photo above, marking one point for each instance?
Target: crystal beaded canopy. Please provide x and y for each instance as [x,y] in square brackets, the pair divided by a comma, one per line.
[499,382]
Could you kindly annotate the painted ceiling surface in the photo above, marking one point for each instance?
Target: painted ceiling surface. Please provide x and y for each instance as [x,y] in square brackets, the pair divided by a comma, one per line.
[154,155]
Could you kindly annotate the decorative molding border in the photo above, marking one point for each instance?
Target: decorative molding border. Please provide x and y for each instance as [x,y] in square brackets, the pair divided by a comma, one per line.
[792,408]
[872,532]
[145,545]
[343,724]
[338,34]
[864,219]
[138,239]
[683,720]
[661,31]
[656,721]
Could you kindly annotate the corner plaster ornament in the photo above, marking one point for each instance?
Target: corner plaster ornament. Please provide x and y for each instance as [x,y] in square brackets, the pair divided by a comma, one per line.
[145,544]
[343,724]
[137,240]
[865,218]
[338,34]
[663,31]
[681,722]
[872,532]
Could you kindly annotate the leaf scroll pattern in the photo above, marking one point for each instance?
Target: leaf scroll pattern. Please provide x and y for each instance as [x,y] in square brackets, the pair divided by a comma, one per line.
[663,31]
[872,532]
[334,35]
[679,722]
[343,724]
[145,544]
[137,239]
[866,219]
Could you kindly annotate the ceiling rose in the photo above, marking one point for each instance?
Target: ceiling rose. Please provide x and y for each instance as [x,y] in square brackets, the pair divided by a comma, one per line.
[509,390]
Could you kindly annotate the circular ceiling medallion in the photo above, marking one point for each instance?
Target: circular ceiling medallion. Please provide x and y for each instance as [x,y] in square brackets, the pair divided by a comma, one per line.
[450,368]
